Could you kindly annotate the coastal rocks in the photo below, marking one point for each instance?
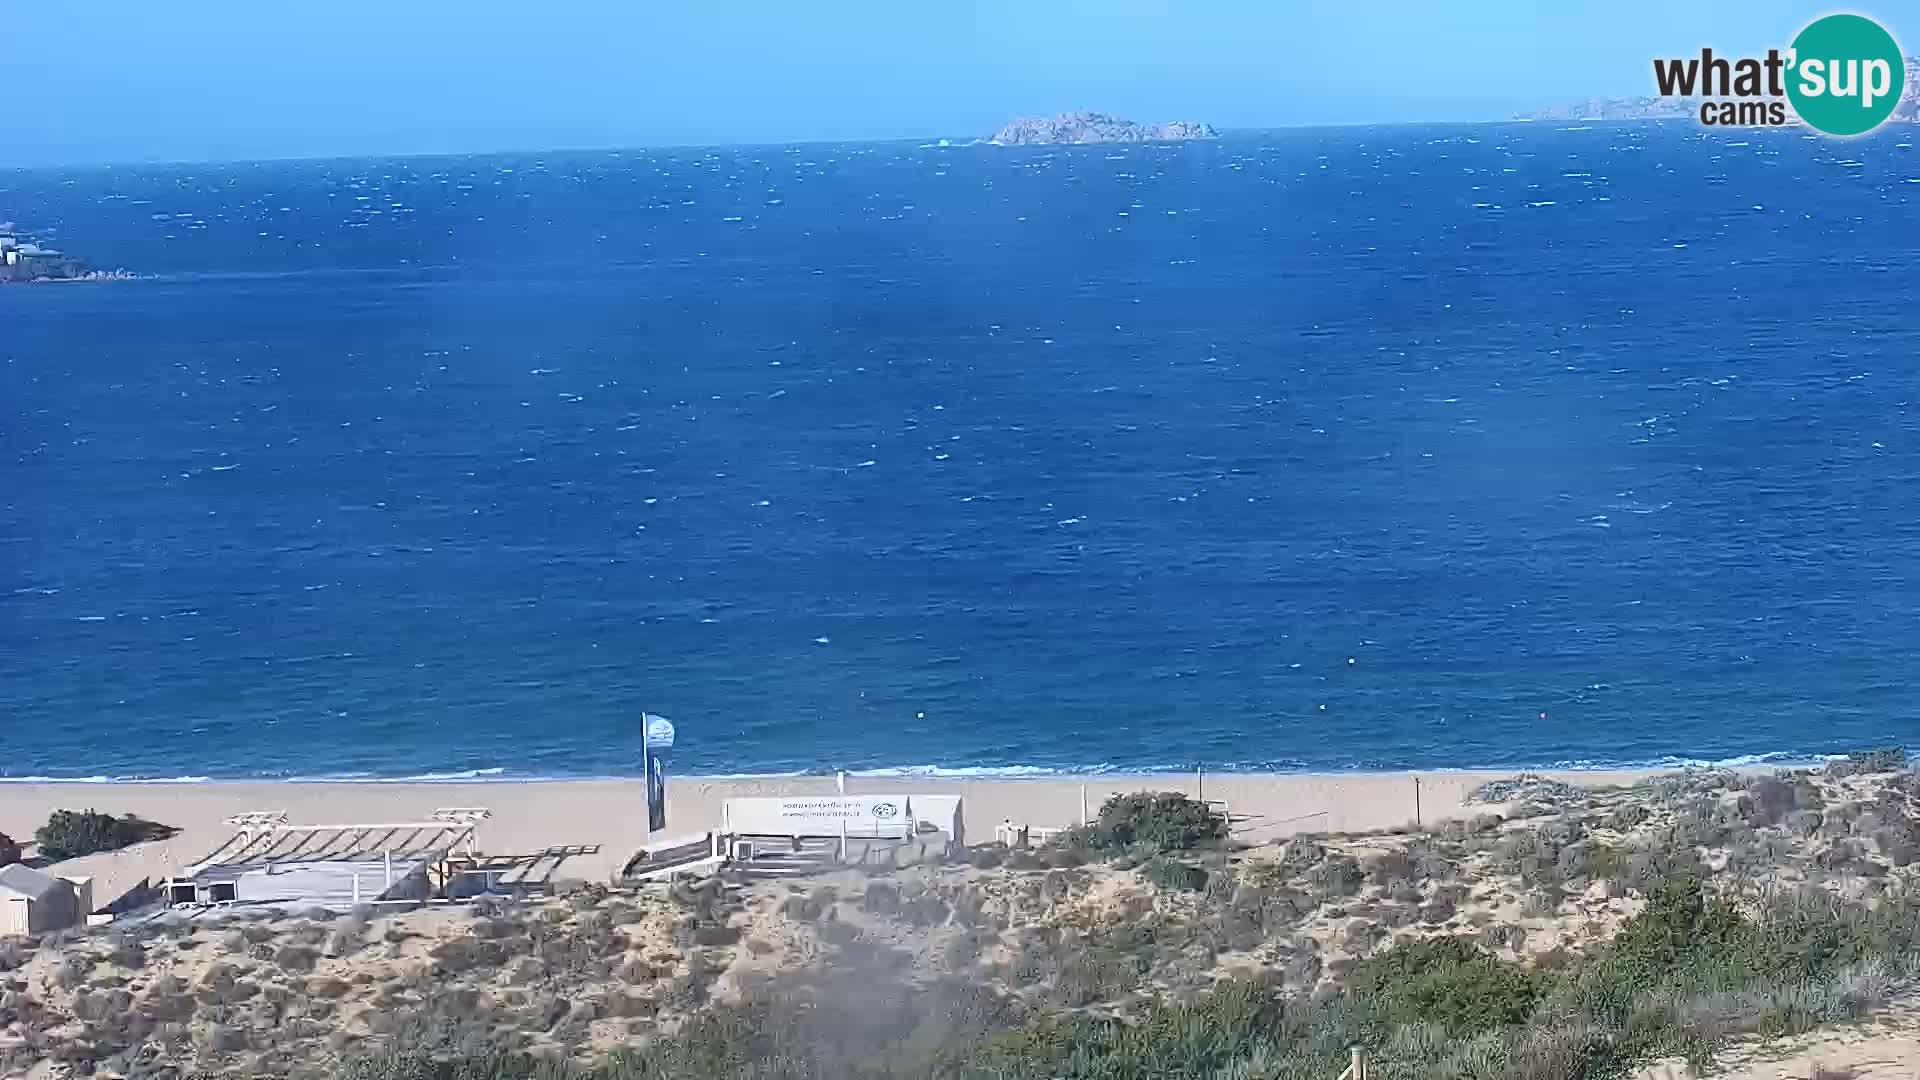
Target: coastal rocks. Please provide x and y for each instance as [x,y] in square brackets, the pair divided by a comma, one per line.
[24,259]
[1092,127]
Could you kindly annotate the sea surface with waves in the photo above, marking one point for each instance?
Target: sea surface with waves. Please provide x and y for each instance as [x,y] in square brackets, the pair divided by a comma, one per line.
[1343,449]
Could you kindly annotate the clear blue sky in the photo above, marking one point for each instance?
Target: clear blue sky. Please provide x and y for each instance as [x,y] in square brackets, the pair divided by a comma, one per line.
[131,80]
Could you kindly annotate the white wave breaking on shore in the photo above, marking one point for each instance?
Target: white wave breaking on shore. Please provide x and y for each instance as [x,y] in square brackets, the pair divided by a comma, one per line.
[500,774]
[108,779]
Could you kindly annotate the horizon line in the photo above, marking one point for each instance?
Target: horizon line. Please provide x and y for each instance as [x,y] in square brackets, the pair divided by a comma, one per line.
[918,140]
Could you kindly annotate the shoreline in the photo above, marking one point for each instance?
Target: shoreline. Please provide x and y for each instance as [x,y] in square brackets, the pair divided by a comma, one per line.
[600,823]
[996,774]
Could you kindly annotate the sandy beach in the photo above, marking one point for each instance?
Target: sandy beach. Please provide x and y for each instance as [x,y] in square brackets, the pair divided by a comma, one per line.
[606,819]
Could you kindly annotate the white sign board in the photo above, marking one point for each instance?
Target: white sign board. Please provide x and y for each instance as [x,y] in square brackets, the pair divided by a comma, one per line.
[659,732]
[819,815]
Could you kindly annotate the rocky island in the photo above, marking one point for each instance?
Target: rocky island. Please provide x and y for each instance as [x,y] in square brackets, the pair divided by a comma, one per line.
[1092,127]
[24,259]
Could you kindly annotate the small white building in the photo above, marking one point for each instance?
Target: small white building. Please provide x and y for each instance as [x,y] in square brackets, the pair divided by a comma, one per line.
[36,902]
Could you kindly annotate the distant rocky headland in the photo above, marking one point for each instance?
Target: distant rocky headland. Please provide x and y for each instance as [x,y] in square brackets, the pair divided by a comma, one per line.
[24,259]
[1638,108]
[1688,108]
[1092,127]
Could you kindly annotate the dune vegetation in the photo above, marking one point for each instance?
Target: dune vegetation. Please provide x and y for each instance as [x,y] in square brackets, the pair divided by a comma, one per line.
[1565,932]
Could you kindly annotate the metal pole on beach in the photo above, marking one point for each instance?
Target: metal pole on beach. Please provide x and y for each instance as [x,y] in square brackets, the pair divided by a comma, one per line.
[1083,804]
[1416,804]
[1200,782]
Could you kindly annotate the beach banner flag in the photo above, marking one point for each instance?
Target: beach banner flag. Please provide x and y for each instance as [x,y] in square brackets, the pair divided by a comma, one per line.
[659,732]
[656,793]
[658,736]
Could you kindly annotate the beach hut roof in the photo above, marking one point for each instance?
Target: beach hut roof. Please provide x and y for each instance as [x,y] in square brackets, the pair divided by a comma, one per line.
[22,880]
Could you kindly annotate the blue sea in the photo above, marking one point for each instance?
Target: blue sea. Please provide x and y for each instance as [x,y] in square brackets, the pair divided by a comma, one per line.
[1432,447]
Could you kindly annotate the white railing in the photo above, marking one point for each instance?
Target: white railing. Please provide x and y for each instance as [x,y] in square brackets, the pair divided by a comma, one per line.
[1011,835]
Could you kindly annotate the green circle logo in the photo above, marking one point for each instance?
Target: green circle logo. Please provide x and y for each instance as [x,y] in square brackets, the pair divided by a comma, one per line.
[1846,74]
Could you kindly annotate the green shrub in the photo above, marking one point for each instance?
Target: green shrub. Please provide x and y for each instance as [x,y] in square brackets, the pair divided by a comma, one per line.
[1162,821]
[1768,800]
[1542,902]
[1301,854]
[838,933]
[9,851]
[74,969]
[1341,877]
[1705,823]
[1086,976]
[1174,875]
[801,908]
[1883,759]
[987,857]
[350,933]
[1389,867]
[1901,847]
[1628,817]
[1256,912]
[1063,858]
[880,898]
[69,834]
[127,952]
[1024,859]
[300,958]
[1681,926]
[1447,981]
[1604,863]
[1804,822]
[1442,909]
[452,956]
[1529,855]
